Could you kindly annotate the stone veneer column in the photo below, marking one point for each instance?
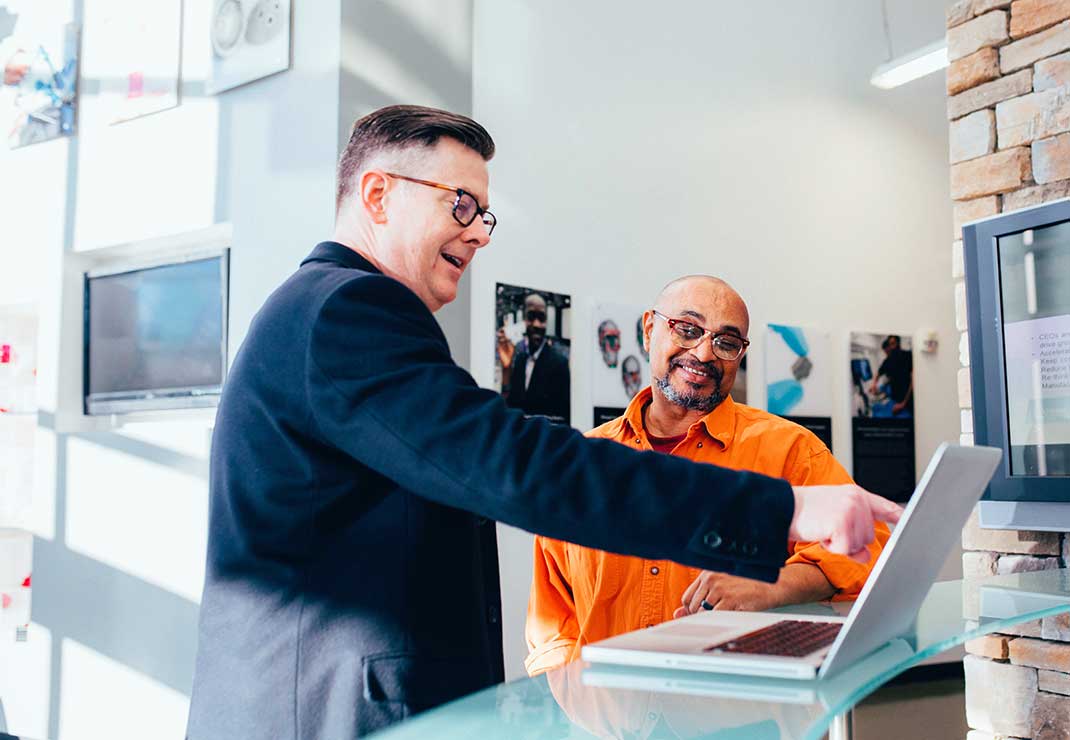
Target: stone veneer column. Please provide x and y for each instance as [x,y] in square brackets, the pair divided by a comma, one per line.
[1009,109]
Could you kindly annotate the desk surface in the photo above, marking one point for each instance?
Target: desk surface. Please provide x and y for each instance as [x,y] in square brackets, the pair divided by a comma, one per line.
[584,700]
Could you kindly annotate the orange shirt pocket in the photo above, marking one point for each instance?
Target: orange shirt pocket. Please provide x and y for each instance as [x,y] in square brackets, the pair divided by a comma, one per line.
[596,575]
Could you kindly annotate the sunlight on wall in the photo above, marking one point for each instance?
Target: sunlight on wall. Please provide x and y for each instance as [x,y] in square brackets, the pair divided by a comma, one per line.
[41,519]
[102,698]
[150,521]
[25,681]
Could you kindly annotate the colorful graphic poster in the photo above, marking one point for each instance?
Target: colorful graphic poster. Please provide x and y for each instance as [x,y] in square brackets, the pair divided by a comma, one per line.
[532,348]
[134,49]
[882,404]
[621,365]
[798,379]
[250,39]
[38,91]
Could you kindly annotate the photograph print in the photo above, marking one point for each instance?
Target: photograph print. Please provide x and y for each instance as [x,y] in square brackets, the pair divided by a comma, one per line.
[532,347]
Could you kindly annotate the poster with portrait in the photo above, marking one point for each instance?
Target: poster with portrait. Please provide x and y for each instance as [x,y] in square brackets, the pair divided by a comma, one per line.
[250,39]
[134,49]
[621,365]
[39,57]
[798,377]
[882,409]
[532,348]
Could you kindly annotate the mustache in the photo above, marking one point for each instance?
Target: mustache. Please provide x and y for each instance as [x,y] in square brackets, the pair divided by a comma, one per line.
[710,368]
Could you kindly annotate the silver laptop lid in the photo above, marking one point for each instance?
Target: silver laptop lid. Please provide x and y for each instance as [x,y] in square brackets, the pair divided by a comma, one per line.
[931,523]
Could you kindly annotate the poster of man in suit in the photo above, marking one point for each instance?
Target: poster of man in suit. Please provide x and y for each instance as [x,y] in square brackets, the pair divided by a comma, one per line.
[532,350]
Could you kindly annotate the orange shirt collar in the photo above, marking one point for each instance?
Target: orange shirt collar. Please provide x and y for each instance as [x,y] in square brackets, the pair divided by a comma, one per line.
[719,424]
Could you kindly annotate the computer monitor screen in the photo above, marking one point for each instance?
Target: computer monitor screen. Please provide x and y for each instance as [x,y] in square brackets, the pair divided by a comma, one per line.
[1034,293]
[156,337]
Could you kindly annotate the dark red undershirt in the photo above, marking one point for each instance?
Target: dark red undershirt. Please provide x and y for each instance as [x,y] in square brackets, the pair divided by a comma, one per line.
[664,444]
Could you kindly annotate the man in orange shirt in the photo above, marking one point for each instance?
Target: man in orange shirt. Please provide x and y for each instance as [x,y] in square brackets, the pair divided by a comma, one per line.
[696,337]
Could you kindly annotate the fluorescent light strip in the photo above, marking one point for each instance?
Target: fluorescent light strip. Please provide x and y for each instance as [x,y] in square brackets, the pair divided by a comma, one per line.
[918,63]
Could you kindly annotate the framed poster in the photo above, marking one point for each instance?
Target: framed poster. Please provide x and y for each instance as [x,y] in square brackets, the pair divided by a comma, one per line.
[798,379]
[621,365]
[134,48]
[532,350]
[882,407]
[39,57]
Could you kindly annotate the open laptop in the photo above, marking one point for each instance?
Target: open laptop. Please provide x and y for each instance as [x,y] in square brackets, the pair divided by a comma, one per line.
[804,646]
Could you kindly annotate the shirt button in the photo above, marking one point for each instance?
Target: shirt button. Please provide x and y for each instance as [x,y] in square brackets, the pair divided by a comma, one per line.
[700,444]
[654,571]
[637,440]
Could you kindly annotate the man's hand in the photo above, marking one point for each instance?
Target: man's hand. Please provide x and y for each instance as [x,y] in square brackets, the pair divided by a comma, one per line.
[840,518]
[727,592]
[897,408]
[506,349]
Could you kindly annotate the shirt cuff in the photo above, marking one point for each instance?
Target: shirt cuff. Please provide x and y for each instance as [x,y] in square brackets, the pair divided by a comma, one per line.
[549,656]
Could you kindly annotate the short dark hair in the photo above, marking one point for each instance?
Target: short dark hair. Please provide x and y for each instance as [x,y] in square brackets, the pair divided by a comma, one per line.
[399,127]
[888,341]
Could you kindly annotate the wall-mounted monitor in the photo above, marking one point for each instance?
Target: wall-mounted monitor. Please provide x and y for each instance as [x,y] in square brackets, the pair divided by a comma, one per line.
[1018,310]
[155,333]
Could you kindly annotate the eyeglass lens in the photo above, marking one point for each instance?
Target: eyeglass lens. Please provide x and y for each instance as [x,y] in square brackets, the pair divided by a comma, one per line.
[466,210]
[725,346]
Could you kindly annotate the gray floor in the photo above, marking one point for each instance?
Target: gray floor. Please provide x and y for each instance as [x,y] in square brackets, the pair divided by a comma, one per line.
[930,710]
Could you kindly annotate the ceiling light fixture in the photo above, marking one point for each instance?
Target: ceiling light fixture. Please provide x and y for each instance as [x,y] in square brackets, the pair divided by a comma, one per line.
[918,63]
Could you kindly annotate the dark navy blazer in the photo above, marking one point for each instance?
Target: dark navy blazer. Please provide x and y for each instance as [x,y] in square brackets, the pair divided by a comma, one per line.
[352,573]
[549,392]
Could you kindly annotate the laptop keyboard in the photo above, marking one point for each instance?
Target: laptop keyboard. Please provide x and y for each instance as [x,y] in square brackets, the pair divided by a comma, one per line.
[789,639]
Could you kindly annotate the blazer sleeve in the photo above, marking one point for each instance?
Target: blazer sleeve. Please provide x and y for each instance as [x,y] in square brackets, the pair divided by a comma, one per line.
[382,387]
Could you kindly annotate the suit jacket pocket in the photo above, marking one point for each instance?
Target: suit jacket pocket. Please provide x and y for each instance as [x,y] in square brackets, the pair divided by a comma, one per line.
[421,682]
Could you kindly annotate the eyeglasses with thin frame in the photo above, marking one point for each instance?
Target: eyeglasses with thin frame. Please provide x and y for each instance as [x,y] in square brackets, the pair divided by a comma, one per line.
[466,208]
[685,334]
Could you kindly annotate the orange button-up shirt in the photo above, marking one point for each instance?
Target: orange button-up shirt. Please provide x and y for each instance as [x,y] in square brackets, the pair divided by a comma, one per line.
[580,595]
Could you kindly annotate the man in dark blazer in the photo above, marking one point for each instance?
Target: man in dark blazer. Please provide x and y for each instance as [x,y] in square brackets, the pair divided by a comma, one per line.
[537,372]
[356,471]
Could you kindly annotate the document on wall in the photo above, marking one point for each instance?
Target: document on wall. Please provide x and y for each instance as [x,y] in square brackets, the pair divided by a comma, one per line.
[1037,358]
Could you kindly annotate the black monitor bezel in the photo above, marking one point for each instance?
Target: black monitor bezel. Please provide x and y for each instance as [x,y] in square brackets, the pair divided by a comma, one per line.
[988,369]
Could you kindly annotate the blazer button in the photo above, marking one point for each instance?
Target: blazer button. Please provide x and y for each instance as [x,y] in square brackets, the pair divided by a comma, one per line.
[712,540]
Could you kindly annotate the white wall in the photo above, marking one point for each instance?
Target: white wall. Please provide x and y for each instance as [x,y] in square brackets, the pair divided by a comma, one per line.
[120,517]
[638,143]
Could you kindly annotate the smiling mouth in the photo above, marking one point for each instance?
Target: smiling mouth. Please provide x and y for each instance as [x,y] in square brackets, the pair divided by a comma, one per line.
[455,261]
[700,376]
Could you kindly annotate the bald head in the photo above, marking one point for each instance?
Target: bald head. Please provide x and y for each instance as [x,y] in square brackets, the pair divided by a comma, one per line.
[535,301]
[708,300]
[694,378]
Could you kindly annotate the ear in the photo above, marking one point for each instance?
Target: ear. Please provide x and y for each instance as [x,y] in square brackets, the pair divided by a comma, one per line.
[372,189]
[648,327]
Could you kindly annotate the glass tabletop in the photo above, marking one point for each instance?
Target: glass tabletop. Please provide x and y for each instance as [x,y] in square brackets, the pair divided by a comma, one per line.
[584,700]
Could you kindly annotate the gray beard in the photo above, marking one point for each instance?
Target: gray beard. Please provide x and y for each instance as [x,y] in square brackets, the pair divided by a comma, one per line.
[692,401]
